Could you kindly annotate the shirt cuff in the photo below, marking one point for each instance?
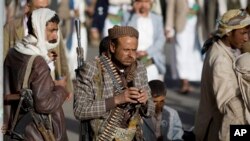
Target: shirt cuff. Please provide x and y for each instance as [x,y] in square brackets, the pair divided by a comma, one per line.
[110,103]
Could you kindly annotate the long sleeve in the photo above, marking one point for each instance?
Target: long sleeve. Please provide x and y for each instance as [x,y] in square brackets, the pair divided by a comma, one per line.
[156,50]
[170,14]
[48,98]
[141,82]
[224,82]
[93,101]
[85,104]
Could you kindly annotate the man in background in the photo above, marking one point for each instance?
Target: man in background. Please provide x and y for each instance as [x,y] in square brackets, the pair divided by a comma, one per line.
[16,29]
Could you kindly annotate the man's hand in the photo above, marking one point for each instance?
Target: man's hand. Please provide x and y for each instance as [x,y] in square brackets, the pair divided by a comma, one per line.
[143,97]
[4,128]
[170,33]
[52,55]
[131,95]
[62,82]
[69,97]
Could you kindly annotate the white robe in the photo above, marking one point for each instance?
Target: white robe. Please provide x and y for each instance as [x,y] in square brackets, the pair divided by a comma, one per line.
[145,28]
[186,60]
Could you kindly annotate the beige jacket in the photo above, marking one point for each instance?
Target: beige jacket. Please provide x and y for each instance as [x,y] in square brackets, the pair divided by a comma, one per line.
[221,103]
[176,15]
[14,31]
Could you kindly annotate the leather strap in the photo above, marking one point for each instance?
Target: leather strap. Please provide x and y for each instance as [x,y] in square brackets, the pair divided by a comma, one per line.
[28,71]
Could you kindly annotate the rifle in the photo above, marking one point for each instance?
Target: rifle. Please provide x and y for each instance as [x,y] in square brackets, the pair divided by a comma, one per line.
[79,49]
[11,97]
[41,121]
[85,128]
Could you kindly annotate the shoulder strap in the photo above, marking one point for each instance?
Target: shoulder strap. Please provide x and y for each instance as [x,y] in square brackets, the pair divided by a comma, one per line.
[28,71]
[24,86]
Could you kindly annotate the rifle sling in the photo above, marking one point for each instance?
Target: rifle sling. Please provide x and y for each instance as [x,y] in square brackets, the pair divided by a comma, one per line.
[34,115]
[28,71]
[25,85]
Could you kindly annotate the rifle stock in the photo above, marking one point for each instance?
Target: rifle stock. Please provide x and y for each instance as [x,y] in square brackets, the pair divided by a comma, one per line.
[47,134]
[11,97]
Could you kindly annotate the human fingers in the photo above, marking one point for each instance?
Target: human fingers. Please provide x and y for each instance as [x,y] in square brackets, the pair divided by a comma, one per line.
[131,96]
[143,97]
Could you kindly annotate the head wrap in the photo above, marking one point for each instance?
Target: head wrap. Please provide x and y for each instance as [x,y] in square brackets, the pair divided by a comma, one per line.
[121,31]
[231,20]
[38,45]
[242,69]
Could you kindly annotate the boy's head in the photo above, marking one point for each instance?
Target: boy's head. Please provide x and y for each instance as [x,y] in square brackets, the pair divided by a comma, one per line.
[158,91]
[104,46]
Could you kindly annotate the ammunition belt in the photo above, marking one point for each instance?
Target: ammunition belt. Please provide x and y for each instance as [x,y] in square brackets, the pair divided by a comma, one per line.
[108,65]
[115,118]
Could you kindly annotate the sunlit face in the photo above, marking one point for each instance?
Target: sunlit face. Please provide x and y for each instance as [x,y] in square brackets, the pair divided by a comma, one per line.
[36,4]
[39,4]
[143,6]
[125,50]
[51,32]
[239,37]
[159,102]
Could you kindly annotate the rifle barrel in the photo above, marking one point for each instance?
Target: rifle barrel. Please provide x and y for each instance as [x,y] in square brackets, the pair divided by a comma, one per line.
[79,49]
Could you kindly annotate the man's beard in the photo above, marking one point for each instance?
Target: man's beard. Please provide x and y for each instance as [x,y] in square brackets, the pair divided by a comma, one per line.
[53,41]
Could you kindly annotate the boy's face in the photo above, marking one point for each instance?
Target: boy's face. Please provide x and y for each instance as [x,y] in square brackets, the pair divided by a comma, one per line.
[239,37]
[159,103]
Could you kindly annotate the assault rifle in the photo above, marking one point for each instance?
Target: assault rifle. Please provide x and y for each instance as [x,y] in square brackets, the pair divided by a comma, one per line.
[79,49]
[26,104]
[85,128]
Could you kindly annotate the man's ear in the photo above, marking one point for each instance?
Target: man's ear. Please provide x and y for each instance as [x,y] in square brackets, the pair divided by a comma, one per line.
[27,8]
[112,47]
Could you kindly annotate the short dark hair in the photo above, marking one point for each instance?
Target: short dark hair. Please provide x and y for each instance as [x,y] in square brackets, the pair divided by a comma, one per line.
[157,87]
[104,45]
[54,19]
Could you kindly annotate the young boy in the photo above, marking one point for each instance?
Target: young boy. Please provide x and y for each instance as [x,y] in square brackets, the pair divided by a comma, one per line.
[165,125]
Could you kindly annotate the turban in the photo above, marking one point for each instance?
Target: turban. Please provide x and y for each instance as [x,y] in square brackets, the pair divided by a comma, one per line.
[121,31]
[38,45]
[231,20]
[40,17]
